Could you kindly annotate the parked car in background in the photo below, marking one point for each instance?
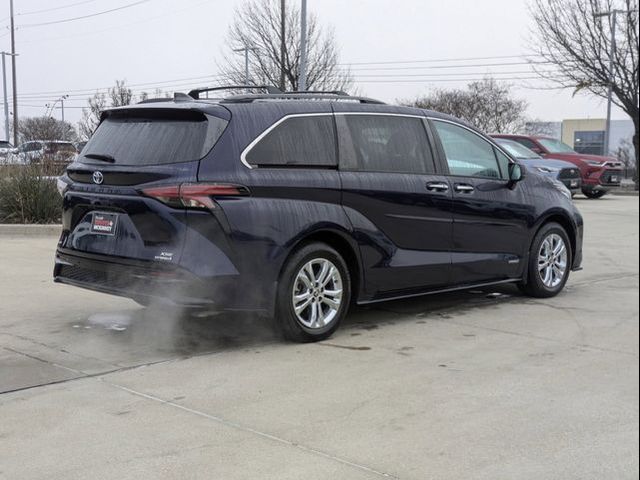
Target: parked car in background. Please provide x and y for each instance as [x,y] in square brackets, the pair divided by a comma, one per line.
[80,146]
[50,152]
[599,174]
[5,148]
[296,206]
[565,172]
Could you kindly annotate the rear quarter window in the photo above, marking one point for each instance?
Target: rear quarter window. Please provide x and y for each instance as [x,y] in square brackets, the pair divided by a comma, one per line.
[308,140]
[155,138]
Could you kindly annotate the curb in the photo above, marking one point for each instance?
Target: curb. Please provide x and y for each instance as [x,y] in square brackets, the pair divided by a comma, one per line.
[22,230]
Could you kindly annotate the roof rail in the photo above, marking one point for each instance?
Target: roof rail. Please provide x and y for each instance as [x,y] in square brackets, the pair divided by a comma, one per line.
[300,96]
[315,92]
[195,93]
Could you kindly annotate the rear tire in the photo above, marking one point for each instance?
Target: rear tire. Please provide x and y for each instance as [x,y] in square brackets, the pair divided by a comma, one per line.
[593,194]
[313,294]
[550,261]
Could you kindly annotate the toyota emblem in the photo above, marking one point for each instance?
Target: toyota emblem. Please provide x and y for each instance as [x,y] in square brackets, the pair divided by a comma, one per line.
[98,178]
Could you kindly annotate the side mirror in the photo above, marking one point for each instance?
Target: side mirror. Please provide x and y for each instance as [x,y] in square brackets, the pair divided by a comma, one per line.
[516,173]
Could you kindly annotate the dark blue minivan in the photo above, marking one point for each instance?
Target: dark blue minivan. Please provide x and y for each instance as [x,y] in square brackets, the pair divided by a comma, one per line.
[295,206]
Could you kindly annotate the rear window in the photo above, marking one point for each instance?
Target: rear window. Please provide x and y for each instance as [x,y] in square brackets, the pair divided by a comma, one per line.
[155,138]
[297,141]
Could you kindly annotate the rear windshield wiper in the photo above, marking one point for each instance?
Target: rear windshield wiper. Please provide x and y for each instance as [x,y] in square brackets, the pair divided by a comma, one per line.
[101,157]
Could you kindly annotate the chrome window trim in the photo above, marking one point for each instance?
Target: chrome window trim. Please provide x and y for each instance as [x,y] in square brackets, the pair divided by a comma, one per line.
[247,149]
[382,114]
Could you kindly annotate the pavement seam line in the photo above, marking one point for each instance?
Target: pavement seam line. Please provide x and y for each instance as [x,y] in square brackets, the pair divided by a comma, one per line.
[58,349]
[246,429]
[83,375]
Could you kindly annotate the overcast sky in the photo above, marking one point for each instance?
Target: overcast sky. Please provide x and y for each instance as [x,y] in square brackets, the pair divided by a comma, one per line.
[177,44]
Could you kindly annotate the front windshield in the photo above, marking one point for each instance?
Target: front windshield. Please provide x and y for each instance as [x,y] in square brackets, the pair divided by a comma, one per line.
[517,150]
[555,146]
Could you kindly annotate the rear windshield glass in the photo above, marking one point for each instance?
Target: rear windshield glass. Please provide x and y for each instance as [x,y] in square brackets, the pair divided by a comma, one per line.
[154,138]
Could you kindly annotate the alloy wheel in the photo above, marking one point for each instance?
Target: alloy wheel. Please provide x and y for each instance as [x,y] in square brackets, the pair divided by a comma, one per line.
[317,293]
[552,260]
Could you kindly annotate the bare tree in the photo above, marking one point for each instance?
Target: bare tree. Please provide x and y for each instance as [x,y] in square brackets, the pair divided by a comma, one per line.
[542,128]
[571,36]
[624,153]
[117,96]
[485,104]
[91,115]
[45,128]
[257,28]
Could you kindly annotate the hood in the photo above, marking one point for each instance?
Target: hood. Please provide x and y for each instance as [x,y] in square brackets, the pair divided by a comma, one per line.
[611,162]
[546,162]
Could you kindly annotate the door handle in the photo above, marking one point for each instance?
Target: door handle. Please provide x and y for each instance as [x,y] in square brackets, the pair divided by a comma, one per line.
[463,188]
[437,187]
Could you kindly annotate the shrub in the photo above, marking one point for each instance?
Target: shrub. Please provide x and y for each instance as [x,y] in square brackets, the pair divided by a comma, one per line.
[28,194]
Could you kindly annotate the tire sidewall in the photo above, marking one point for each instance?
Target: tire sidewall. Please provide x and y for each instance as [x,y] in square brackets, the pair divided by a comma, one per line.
[534,276]
[286,317]
[594,195]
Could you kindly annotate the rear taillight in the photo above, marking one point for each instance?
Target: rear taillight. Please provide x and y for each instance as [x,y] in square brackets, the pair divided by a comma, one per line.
[194,195]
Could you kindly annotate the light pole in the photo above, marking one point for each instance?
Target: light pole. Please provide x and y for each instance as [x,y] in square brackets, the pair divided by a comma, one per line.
[51,106]
[4,88]
[13,75]
[246,62]
[612,52]
[302,81]
[283,45]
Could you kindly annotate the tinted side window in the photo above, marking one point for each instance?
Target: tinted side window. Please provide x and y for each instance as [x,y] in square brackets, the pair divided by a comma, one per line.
[467,153]
[389,144]
[527,143]
[307,141]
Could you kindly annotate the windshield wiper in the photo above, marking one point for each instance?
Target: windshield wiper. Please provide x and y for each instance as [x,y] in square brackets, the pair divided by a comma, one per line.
[101,157]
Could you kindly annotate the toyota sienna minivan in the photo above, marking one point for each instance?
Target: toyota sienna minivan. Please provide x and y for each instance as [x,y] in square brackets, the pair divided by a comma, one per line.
[295,206]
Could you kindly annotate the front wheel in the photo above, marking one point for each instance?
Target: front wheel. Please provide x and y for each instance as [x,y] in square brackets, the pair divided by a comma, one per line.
[593,193]
[313,295]
[549,262]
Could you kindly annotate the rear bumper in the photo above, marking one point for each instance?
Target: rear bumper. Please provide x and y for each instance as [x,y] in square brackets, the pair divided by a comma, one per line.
[149,282]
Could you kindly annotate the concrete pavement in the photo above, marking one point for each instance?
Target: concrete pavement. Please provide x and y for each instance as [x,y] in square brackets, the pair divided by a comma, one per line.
[481,384]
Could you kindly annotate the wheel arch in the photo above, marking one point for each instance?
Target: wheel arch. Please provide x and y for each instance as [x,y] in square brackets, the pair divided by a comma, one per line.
[339,241]
[564,220]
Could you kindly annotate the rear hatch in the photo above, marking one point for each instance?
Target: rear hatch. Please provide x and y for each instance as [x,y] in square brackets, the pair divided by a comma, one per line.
[136,150]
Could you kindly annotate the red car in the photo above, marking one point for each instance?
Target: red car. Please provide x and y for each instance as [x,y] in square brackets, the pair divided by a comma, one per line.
[599,174]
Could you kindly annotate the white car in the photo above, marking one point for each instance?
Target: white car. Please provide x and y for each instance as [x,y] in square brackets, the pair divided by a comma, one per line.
[54,151]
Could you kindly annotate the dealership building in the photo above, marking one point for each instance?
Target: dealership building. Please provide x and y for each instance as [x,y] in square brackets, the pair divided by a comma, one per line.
[586,135]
